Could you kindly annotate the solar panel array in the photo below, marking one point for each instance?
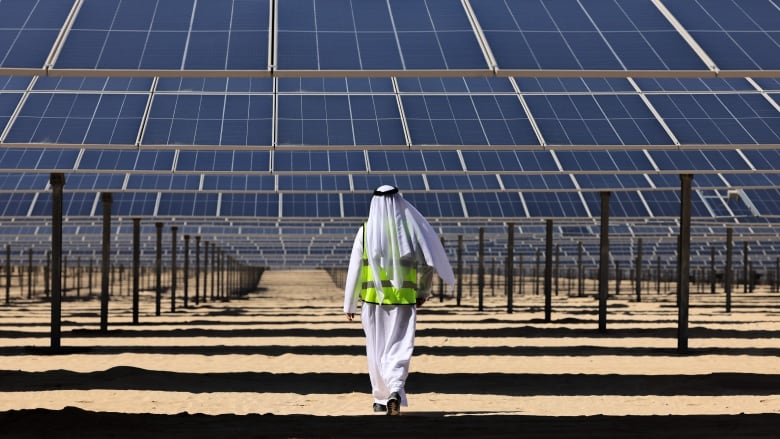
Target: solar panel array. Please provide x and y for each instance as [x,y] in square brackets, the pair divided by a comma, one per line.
[264,124]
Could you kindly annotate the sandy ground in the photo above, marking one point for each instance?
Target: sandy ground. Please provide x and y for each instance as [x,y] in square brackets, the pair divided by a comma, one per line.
[284,362]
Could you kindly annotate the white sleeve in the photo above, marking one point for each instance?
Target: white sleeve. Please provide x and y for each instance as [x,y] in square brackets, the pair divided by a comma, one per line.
[351,286]
[426,282]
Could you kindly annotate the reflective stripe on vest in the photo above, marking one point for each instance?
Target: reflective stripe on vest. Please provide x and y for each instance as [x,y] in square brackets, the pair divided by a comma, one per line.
[406,295]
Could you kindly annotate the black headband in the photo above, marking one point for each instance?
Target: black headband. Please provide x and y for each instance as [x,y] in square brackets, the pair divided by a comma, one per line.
[392,191]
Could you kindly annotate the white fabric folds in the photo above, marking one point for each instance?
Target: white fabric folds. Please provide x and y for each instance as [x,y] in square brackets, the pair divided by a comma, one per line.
[396,230]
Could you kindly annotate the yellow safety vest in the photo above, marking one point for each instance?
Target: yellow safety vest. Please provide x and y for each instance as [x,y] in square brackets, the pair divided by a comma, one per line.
[406,295]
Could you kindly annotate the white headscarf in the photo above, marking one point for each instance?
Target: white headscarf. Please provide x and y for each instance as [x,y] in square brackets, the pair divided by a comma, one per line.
[395,229]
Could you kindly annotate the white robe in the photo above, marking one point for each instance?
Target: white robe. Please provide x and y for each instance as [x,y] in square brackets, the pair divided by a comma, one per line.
[389,330]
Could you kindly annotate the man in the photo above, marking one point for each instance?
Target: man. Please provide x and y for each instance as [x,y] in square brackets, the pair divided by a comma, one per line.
[388,248]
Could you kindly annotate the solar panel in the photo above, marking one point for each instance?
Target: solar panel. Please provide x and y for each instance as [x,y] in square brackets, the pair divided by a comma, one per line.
[89,83]
[405,182]
[554,204]
[23,182]
[737,35]
[766,201]
[349,120]
[692,161]
[667,204]
[188,119]
[509,161]
[455,85]
[763,160]
[582,35]
[175,35]
[126,160]
[375,35]
[249,205]
[463,182]
[37,159]
[596,120]
[413,161]
[15,205]
[228,182]
[537,182]
[437,204]
[604,161]
[95,182]
[310,205]
[78,119]
[8,104]
[693,84]
[187,204]
[156,182]
[573,85]
[607,182]
[223,161]
[215,85]
[313,183]
[494,205]
[709,119]
[621,204]
[319,161]
[466,120]
[335,85]
[28,31]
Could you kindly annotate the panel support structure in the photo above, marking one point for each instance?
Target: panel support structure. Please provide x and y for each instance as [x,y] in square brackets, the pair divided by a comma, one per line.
[136,265]
[57,182]
[107,200]
[604,262]
[728,274]
[509,274]
[548,268]
[158,270]
[685,261]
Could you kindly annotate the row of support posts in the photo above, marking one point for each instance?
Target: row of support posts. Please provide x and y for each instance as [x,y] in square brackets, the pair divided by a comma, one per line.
[237,280]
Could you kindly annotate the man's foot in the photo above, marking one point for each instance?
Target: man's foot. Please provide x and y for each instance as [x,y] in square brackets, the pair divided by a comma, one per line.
[394,404]
[379,407]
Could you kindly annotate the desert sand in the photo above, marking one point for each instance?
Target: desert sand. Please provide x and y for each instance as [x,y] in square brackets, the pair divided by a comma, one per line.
[283,361]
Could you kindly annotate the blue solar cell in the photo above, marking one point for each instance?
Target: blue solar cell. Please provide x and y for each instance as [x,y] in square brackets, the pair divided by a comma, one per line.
[455,85]
[753,179]
[233,85]
[73,204]
[126,160]
[79,119]
[313,205]
[188,204]
[667,204]
[693,84]
[437,204]
[250,205]
[509,161]
[37,159]
[157,182]
[763,160]
[554,85]
[229,182]
[224,161]
[596,120]
[314,183]
[464,120]
[28,31]
[361,120]
[612,181]
[735,34]
[131,204]
[376,35]
[172,35]
[238,120]
[719,118]
[494,205]
[772,84]
[604,161]
[23,182]
[8,104]
[404,182]
[319,161]
[554,204]
[94,182]
[15,205]
[14,83]
[766,201]
[335,85]
[462,182]
[621,204]
[537,182]
[405,161]
[696,160]
[72,83]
